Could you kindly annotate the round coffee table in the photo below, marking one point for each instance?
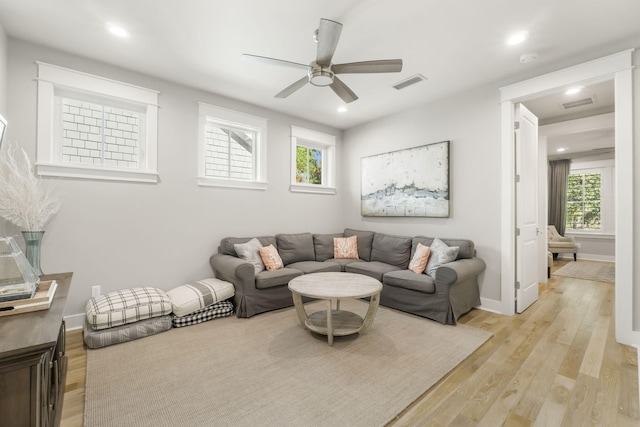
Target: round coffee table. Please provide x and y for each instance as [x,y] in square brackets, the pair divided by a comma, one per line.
[334,287]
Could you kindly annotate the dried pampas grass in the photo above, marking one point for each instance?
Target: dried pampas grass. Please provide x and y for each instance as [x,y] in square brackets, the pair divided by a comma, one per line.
[25,200]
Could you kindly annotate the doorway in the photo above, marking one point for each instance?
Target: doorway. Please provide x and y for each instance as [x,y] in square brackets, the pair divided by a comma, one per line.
[619,68]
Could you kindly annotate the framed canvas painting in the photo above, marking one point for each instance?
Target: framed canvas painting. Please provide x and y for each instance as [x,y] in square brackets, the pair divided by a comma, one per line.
[410,182]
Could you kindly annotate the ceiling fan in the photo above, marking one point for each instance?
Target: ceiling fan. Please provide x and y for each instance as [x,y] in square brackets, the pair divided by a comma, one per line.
[322,72]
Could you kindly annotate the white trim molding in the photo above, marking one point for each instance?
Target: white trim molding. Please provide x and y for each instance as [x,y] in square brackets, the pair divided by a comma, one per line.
[54,81]
[321,141]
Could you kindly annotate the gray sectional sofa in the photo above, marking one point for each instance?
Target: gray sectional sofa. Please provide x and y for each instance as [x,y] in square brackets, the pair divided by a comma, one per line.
[386,257]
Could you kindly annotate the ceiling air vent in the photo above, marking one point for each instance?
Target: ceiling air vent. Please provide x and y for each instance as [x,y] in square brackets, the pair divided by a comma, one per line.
[578,103]
[410,81]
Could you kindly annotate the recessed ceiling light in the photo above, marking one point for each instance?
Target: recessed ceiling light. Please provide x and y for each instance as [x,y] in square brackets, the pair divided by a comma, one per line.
[117,31]
[560,150]
[517,38]
[342,109]
[574,90]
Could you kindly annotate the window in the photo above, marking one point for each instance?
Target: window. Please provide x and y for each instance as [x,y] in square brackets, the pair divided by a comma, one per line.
[98,134]
[312,161]
[590,198]
[232,149]
[584,191]
[92,127]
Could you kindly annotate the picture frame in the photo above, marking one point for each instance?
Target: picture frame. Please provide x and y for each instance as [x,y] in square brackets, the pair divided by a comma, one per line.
[412,182]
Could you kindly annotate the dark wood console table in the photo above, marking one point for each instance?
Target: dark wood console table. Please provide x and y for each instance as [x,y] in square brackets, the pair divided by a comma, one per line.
[33,365]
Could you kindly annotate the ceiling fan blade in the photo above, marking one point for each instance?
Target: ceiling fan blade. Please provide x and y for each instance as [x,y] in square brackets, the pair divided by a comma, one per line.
[272,61]
[328,36]
[342,90]
[379,66]
[293,87]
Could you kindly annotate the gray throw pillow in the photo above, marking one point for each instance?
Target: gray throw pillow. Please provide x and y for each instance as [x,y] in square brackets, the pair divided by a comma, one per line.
[440,254]
[250,252]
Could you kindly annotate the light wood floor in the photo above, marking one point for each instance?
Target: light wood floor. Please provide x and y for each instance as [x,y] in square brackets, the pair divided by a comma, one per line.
[557,364]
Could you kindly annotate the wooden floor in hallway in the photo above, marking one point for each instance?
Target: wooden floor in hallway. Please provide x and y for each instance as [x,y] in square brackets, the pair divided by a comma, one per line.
[557,364]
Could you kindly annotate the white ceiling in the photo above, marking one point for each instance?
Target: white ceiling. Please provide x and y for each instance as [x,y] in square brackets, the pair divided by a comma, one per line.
[457,45]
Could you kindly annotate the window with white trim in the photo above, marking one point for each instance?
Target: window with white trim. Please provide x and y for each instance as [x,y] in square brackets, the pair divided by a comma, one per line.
[232,149]
[93,127]
[590,203]
[312,161]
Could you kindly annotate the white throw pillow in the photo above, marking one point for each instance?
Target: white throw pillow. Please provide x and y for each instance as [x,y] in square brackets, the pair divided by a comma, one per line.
[440,254]
[250,252]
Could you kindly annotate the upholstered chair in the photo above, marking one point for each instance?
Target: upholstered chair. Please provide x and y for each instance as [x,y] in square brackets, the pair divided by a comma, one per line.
[561,244]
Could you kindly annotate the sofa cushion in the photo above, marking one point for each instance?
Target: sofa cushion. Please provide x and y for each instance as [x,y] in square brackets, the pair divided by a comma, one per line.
[295,247]
[126,306]
[197,295]
[323,245]
[441,254]
[315,266]
[365,240]
[345,247]
[409,280]
[269,279]
[343,262]
[271,258]
[419,259]
[466,247]
[390,249]
[373,269]
[227,244]
[219,309]
[250,252]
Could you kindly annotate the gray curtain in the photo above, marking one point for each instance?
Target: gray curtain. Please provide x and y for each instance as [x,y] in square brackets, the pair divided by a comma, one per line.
[558,180]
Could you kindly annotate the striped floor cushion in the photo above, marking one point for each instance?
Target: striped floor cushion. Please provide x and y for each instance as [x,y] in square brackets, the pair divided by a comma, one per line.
[220,309]
[129,332]
[126,306]
[195,296]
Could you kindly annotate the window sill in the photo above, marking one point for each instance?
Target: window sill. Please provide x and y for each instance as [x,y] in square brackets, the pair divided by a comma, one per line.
[596,236]
[231,183]
[310,188]
[85,172]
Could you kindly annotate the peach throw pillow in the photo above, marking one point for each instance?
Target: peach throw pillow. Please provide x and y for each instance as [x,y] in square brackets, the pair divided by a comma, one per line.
[345,247]
[271,258]
[420,258]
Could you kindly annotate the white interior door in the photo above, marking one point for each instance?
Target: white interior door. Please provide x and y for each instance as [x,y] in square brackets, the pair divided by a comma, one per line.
[527,228]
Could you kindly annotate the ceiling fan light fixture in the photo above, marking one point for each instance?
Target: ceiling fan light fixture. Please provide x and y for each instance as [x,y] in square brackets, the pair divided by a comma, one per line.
[320,76]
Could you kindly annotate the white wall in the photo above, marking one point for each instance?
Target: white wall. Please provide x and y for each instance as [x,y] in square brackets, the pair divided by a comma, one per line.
[471,121]
[119,235]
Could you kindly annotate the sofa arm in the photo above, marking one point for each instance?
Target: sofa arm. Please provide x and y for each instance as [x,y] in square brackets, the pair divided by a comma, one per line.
[458,271]
[234,270]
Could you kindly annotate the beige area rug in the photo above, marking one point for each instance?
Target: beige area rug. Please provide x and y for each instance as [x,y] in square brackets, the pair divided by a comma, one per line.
[589,270]
[269,371]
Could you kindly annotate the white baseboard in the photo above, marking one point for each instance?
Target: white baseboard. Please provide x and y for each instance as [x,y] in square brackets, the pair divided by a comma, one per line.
[590,257]
[74,321]
[491,305]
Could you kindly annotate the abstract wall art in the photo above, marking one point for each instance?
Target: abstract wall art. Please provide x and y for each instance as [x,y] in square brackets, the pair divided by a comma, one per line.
[410,182]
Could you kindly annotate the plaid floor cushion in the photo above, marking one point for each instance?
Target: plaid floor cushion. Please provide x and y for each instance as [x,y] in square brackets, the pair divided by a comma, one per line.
[220,309]
[126,306]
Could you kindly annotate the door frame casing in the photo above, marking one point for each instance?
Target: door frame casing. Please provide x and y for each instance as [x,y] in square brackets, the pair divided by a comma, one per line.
[618,67]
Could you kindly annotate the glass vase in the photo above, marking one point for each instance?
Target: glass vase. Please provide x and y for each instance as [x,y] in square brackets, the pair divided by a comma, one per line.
[33,239]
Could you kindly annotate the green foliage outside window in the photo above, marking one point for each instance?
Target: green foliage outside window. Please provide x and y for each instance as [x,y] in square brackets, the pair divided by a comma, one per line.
[308,165]
[583,201]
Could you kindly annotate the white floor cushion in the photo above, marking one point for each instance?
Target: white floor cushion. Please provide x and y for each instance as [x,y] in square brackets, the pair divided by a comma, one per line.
[194,296]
